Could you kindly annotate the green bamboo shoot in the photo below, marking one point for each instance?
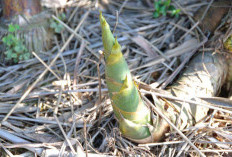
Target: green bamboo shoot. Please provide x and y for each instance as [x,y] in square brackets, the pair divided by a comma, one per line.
[133,115]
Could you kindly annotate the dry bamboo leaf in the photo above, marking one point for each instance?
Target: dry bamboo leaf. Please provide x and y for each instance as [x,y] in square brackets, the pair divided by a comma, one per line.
[5,108]
[42,137]
[185,47]
[17,87]
[222,102]
[139,40]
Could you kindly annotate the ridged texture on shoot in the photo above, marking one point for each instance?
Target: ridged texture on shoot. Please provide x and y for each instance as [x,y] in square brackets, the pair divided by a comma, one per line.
[132,114]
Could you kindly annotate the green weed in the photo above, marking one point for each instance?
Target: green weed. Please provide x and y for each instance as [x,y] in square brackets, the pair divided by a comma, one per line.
[164,7]
[56,25]
[15,48]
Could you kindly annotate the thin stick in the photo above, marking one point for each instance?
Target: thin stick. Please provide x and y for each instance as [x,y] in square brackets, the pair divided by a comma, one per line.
[181,66]
[188,101]
[182,28]
[70,29]
[122,6]
[207,9]
[73,13]
[185,145]
[99,79]
[213,151]
[46,65]
[78,59]
[85,134]
[188,32]
[58,122]
[176,72]
[100,95]
[169,55]
[61,56]
[38,94]
[39,151]
[43,121]
[64,134]
[166,70]
[162,143]
[6,150]
[190,18]
[173,126]
[15,139]
[161,53]
[116,23]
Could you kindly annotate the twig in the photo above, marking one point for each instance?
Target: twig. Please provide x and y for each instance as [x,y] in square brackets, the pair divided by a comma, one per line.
[206,10]
[122,6]
[85,135]
[173,126]
[46,65]
[188,32]
[162,143]
[39,94]
[58,122]
[189,101]
[70,29]
[116,23]
[165,71]
[61,56]
[181,66]
[43,121]
[78,59]
[6,150]
[100,95]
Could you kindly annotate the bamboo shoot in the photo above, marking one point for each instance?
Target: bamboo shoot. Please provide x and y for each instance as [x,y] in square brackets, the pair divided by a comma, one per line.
[133,115]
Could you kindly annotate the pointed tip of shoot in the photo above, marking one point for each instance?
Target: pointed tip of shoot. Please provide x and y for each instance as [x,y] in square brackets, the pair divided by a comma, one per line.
[107,36]
[126,83]
[100,16]
[102,19]
[116,41]
[116,47]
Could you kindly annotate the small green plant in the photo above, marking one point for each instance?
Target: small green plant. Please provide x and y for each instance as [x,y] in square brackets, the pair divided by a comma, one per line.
[162,7]
[56,25]
[15,48]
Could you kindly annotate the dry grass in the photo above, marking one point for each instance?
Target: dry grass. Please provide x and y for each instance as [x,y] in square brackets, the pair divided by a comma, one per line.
[58,100]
